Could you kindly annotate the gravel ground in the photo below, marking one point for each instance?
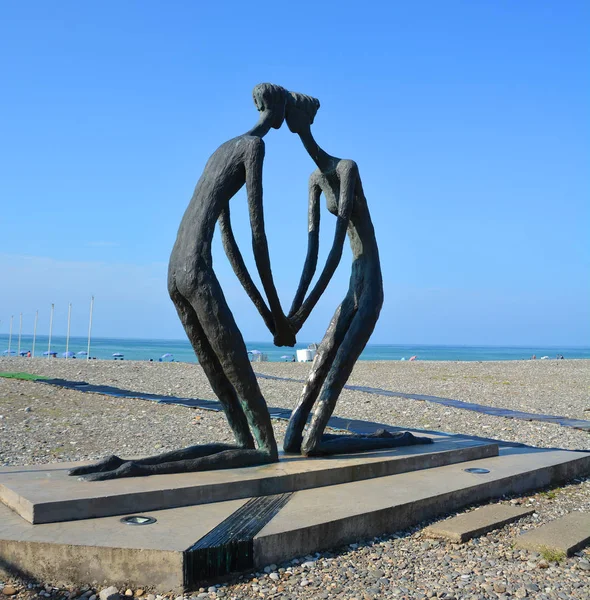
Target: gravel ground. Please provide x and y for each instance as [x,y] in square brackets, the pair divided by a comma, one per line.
[553,387]
[42,423]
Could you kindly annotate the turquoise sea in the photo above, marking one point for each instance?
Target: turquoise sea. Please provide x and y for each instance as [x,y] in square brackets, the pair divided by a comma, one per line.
[104,348]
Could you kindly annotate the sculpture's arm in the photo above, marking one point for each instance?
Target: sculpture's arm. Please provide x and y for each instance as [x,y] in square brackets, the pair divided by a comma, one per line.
[348,180]
[237,262]
[284,335]
[313,243]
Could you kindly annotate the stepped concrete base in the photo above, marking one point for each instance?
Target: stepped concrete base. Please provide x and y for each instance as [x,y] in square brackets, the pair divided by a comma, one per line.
[164,555]
[477,522]
[565,535]
[46,494]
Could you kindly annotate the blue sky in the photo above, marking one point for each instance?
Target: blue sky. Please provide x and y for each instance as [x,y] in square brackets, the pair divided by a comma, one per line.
[469,122]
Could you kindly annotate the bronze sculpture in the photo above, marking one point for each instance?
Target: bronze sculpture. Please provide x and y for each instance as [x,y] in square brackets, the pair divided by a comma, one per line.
[210,325]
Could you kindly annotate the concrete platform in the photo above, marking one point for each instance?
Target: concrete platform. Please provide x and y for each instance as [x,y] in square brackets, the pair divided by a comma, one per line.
[477,522]
[46,494]
[565,535]
[169,554]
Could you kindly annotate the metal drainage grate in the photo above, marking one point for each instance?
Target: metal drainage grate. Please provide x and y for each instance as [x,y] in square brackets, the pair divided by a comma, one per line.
[138,520]
[477,470]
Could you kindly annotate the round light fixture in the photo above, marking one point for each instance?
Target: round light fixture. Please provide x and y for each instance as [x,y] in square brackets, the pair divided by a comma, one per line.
[138,520]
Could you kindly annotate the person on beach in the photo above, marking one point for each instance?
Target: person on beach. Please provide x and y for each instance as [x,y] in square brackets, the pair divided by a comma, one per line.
[203,310]
[354,321]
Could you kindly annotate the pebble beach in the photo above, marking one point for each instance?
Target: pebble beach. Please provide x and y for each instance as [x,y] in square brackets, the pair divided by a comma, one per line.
[41,423]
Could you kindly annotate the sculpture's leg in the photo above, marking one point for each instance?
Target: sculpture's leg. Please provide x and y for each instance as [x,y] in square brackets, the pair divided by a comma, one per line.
[221,387]
[228,459]
[228,345]
[319,370]
[112,463]
[380,440]
[355,339]
[358,333]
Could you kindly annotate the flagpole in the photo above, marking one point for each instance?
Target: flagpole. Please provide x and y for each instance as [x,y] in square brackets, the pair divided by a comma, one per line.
[10,334]
[50,330]
[90,326]
[35,333]
[68,333]
[20,330]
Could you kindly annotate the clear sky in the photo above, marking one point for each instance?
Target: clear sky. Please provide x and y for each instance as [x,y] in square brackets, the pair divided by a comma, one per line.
[469,121]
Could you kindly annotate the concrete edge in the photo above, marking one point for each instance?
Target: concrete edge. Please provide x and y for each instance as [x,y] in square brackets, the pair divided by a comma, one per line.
[64,563]
[21,506]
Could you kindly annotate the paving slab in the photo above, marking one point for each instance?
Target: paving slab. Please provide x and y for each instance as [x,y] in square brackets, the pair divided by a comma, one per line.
[46,494]
[565,535]
[477,522]
[169,555]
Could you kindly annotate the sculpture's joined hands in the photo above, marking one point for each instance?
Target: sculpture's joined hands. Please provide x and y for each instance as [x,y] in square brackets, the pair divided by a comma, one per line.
[212,330]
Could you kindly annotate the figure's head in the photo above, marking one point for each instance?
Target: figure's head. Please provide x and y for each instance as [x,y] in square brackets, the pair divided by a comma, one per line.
[272,99]
[301,111]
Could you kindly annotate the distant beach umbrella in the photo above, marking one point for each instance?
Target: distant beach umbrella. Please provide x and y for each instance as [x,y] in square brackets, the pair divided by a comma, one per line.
[9,352]
[167,356]
[285,356]
[49,353]
[118,355]
[67,354]
[254,352]
[82,353]
[24,352]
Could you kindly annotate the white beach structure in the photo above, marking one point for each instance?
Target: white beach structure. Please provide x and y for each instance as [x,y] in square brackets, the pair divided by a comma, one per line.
[304,355]
[308,354]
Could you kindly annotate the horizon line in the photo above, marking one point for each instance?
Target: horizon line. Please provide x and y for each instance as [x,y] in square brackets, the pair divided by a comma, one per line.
[428,344]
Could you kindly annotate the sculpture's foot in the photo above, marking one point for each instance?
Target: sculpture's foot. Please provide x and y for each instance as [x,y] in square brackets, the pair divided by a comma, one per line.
[226,459]
[294,434]
[127,469]
[110,463]
[292,442]
[380,440]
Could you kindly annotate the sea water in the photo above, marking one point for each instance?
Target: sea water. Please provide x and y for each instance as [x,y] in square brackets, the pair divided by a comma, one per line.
[181,351]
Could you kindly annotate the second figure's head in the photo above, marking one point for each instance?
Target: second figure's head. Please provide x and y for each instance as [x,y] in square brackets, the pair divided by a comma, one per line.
[301,111]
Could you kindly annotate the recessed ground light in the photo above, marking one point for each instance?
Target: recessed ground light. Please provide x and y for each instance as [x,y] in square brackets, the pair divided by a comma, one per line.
[476,470]
[138,520]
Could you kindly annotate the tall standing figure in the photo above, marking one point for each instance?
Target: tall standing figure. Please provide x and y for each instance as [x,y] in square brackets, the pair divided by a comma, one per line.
[354,321]
[203,310]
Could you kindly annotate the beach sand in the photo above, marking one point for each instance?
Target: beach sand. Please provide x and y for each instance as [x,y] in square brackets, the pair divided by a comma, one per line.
[42,423]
